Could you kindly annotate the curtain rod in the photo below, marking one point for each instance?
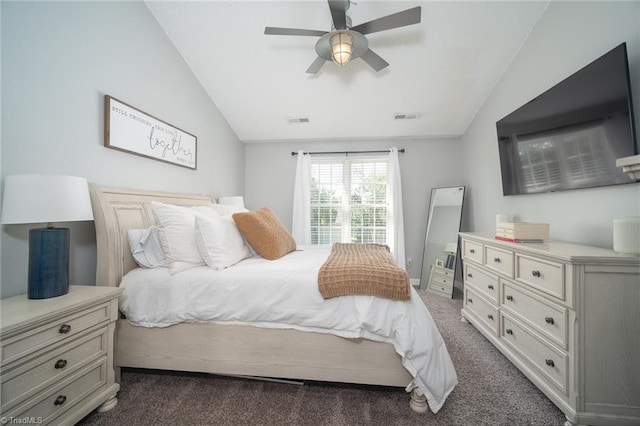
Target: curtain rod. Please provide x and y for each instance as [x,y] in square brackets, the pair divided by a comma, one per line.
[348,152]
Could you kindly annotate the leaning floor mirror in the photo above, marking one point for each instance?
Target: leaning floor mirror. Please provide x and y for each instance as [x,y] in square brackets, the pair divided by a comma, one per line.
[440,256]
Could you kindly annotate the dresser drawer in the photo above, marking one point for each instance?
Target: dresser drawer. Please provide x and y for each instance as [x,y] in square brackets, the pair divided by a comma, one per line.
[472,251]
[499,260]
[482,281]
[441,290]
[543,275]
[550,362]
[481,309]
[548,318]
[86,383]
[52,333]
[28,379]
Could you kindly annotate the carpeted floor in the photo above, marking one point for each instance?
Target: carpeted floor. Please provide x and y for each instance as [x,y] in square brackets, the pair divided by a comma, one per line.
[491,391]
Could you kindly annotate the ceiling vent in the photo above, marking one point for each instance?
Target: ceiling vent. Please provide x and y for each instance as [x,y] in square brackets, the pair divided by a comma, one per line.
[297,120]
[405,116]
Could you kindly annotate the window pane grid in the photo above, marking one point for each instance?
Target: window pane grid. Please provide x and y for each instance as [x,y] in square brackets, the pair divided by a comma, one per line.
[349,200]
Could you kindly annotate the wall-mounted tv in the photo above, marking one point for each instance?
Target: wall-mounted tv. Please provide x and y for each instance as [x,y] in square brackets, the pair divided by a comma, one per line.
[570,136]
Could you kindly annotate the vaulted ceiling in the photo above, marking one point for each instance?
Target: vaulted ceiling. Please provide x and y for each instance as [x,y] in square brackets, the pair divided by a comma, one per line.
[441,69]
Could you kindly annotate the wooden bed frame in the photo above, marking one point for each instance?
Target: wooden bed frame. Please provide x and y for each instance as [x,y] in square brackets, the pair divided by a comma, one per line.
[226,349]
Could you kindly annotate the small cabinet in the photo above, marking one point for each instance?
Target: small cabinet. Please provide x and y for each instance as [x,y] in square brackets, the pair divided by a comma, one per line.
[57,355]
[441,281]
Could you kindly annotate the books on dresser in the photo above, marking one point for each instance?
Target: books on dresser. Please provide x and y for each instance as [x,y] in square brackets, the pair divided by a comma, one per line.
[522,232]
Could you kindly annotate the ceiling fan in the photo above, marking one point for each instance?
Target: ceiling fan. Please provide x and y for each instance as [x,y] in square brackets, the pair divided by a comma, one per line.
[345,42]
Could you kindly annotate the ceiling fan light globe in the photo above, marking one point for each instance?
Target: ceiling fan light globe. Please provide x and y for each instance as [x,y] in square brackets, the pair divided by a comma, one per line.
[341,48]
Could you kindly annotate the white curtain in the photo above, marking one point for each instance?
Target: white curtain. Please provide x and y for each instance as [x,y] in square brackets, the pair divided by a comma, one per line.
[396,238]
[301,226]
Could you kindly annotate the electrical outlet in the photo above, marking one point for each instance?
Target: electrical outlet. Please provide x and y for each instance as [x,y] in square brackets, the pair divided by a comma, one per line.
[409,261]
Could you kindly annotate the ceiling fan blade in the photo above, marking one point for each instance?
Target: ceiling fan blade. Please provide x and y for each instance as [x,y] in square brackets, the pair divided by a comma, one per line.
[396,20]
[339,13]
[374,61]
[316,65]
[293,31]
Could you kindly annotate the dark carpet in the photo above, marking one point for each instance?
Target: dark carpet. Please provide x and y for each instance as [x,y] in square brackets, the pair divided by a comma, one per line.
[491,391]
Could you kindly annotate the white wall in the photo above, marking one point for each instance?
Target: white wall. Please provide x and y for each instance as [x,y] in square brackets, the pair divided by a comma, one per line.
[59,59]
[568,36]
[271,169]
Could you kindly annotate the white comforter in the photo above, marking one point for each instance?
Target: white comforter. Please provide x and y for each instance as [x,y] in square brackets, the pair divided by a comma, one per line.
[284,294]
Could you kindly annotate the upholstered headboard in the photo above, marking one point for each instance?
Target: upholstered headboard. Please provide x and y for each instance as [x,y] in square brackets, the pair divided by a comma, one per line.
[115,211]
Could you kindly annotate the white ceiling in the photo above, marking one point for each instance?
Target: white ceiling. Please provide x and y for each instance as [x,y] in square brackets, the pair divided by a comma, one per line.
[443,68]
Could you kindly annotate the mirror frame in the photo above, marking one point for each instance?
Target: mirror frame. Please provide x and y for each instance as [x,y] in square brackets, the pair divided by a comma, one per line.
[426,273]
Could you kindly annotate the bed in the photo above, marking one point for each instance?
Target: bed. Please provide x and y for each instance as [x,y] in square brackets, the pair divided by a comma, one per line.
[243,348]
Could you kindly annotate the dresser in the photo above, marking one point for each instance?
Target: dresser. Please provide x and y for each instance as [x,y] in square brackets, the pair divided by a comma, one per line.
[567,315]
[57,356]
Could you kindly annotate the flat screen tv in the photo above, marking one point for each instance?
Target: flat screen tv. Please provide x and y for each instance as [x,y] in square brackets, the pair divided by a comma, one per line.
[570,136]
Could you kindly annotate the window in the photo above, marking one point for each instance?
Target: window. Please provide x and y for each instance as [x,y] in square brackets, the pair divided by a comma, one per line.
[350,200]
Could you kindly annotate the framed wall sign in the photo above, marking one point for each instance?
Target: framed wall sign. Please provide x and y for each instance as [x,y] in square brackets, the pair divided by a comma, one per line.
[128,129]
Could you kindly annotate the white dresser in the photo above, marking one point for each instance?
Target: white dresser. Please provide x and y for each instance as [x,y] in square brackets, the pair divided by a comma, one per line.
[57,356]
[567,315]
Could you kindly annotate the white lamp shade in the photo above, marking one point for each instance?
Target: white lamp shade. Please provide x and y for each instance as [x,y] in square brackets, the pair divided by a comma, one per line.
[451,248]
[235,201]
[45,198]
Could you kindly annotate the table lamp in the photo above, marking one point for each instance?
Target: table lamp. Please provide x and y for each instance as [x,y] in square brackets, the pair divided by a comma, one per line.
[451,248]
[234,200]
[46,199]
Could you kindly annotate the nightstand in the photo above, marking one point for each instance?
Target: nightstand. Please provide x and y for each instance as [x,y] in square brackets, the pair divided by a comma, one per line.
[441,281]
[57,355]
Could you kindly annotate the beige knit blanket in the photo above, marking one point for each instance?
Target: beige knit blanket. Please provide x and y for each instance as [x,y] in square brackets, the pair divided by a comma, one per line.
[367,269]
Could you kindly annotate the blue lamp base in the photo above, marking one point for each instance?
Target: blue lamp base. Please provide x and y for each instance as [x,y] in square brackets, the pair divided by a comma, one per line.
[48,263]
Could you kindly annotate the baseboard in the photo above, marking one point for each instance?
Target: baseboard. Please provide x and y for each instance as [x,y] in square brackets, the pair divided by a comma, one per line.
[415,282]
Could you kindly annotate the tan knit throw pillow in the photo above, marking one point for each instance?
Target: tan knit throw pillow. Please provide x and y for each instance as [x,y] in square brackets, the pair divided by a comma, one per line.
[266,234]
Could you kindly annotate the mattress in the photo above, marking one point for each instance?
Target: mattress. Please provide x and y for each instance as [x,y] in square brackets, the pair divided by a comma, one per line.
[284,293]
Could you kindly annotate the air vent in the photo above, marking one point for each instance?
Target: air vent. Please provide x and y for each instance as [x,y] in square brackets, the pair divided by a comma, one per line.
[296,120]
[405,116]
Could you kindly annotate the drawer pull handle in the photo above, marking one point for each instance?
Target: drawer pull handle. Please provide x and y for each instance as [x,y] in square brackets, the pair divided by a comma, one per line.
[549,320]
[61,363]
[490,317]
[61,399]
[496,259]
[470,300]
[535,274]
[472,251]
[550,363]
[64,329]
[470,275]
[490,287]
[510,297]
[509,331]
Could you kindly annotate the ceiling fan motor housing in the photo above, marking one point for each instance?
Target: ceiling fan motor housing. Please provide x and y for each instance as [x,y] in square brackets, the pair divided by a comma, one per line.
[348,21]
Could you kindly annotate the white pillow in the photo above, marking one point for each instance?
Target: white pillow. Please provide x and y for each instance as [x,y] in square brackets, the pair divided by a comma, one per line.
[220,242]
[177,234]
[146,248]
